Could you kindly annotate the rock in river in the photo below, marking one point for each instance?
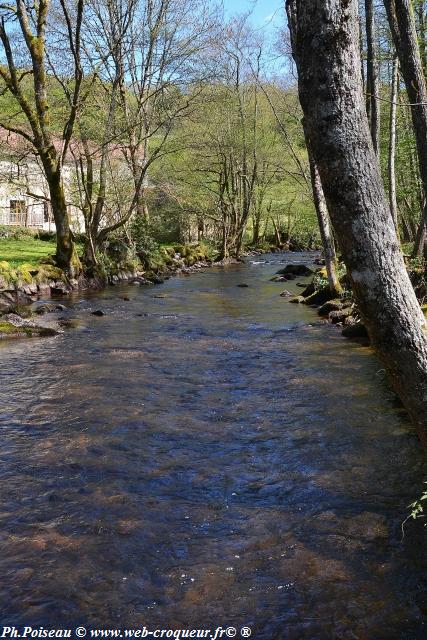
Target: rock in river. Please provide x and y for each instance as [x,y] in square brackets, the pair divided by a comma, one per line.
[13,326]
[295,270]
[357,330]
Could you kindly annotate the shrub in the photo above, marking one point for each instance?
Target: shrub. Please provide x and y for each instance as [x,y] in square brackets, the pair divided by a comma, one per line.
[146,247]
[17,233]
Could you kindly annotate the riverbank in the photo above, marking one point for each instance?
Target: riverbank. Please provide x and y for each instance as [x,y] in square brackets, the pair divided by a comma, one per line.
[23,285]
[342,311]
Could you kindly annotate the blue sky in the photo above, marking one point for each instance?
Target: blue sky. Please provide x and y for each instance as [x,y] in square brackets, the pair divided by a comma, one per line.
[265,12]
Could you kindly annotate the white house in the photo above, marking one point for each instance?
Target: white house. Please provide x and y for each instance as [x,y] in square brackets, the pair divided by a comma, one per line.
[24,196]
[24,193]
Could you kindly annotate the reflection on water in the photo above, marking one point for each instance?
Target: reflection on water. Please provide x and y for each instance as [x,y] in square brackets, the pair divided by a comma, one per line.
[212,457]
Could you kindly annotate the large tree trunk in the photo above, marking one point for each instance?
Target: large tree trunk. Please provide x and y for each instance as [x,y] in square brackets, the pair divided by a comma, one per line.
[402,24]
[326,50]
[66,256]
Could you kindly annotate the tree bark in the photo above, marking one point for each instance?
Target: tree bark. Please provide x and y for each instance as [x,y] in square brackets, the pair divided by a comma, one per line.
[326,51]
[372,76]
[66,256]
[402,25]
[421,30]
[392,143]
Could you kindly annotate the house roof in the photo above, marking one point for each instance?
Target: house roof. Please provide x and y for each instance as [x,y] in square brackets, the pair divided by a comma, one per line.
[13,145]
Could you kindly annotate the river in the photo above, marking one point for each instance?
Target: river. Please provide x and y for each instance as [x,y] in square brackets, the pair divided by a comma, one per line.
[208,455]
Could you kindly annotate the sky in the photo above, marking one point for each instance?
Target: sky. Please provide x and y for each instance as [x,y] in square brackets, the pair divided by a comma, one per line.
[268,13]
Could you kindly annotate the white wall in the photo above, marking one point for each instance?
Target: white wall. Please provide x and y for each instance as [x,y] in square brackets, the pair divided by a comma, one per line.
[26,182]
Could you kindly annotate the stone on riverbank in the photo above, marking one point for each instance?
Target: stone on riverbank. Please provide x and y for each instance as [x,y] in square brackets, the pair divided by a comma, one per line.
[328,307]
[319,297]
[309,290]
[340,315]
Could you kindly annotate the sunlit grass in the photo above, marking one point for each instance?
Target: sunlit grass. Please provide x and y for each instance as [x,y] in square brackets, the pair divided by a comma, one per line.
[27,250]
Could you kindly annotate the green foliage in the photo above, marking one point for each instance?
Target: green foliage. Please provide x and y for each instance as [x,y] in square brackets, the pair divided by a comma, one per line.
[416,264]
[417,507]
[118,248]
[16,233]
[320,280]
[146,247]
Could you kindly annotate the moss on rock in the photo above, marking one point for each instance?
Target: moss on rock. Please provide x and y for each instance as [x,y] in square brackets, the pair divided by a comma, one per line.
[9,330]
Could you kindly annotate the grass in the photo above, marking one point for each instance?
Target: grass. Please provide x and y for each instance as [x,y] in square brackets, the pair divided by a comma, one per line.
[26,250]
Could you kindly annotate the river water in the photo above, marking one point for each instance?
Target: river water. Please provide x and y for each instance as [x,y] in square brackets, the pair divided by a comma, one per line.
[207,455]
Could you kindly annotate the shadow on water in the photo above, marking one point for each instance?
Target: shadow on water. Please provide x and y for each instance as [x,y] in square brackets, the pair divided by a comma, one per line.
[211,457]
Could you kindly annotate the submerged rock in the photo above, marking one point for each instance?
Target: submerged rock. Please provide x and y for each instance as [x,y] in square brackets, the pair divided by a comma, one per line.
[243,285]
[285,294]
[98,313]
[297,300]
[45,308]
[69,323]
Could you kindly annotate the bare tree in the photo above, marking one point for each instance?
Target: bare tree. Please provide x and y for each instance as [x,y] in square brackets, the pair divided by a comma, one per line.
[162,78]
[402,24]
[149,57]
[106,28]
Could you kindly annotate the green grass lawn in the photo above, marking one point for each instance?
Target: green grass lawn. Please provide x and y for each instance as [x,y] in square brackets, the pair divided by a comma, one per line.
[28,250]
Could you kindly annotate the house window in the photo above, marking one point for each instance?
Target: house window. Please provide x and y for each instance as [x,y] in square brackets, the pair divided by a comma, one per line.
[18,213]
